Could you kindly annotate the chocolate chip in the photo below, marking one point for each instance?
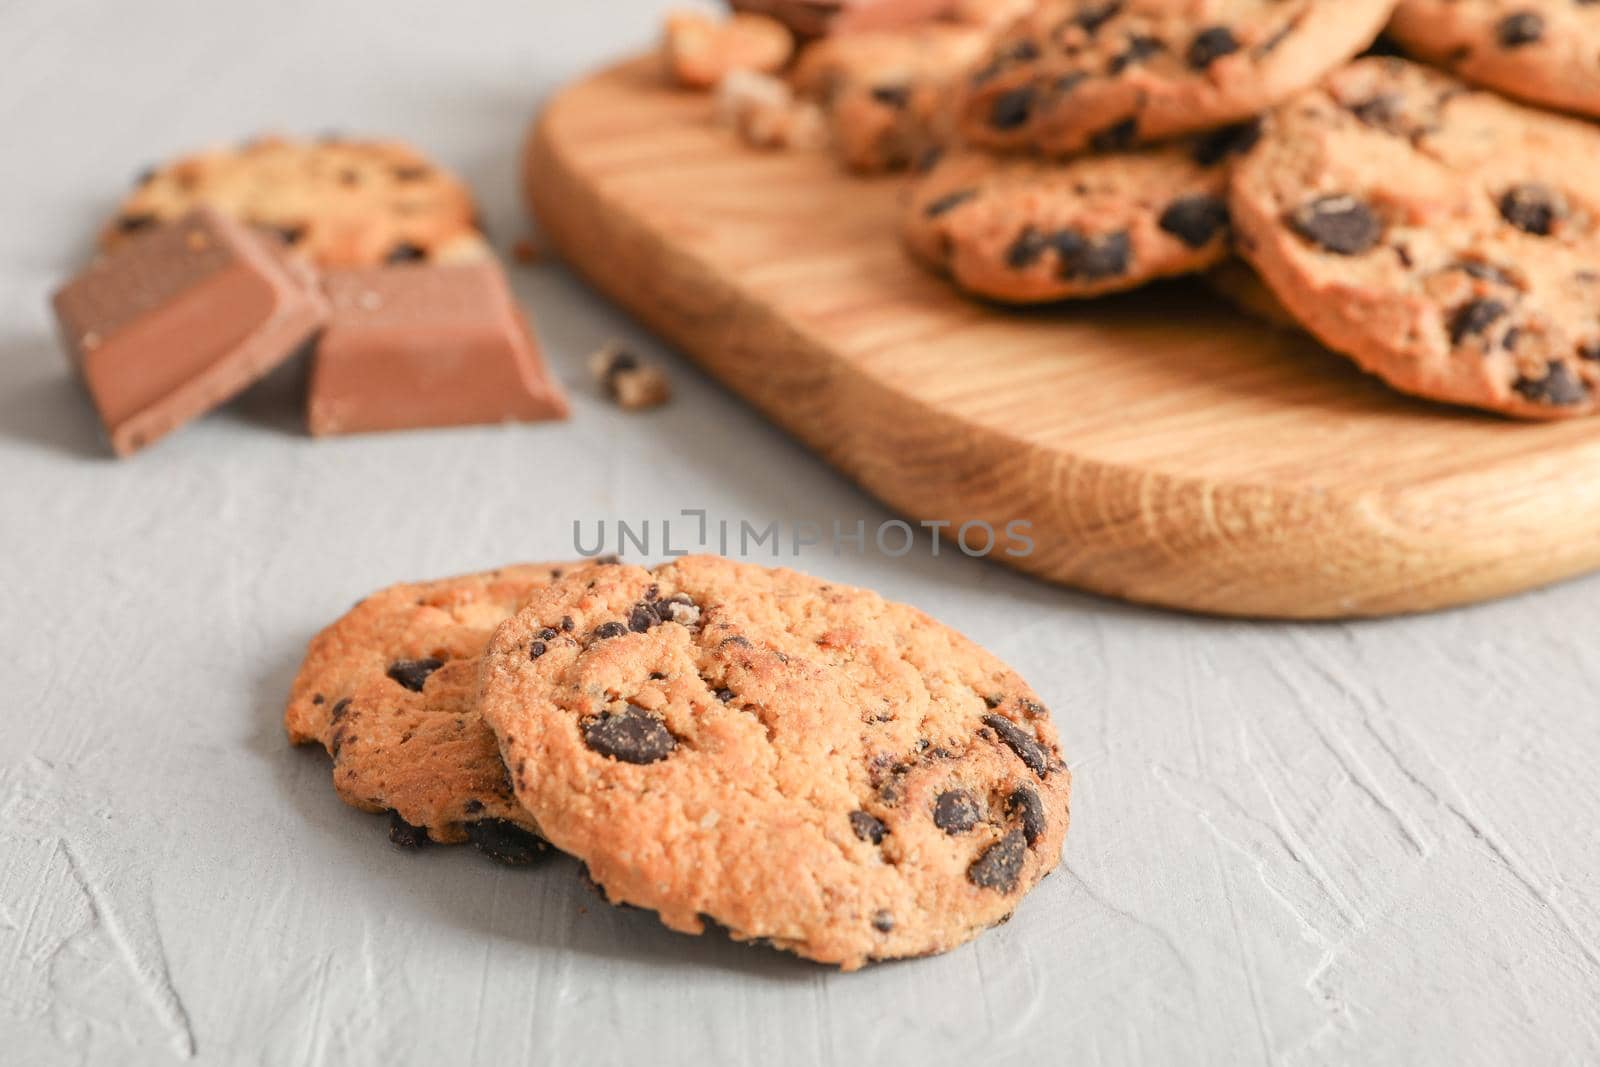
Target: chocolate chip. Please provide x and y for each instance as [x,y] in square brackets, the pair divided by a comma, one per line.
[413,673]
[537,649]
[1092,18]
[632,736]
[406,252]
[566,624]
[1140,48]
[882,921]
[411,173]
[1533,208]
[339,709]
[993,700]
[1229,141]
[867,827]
[1210,45]
[1514,31]
[135,223]
[955,812]
[1474,318]
[724,695]
[1092,258]
[1027,249]
[643,617]
[1381,111]
[316,698]
[1012,109]
[1116,137]
[1021,742]
[1559,387]
[1001,863]
[949,202]
[1196,220]
[473,806]
[1339,224]
[547,634]
[608,630]
[679,608]
[502,840]
[1024,803]
[895,96]
[404,834]
[1485,272]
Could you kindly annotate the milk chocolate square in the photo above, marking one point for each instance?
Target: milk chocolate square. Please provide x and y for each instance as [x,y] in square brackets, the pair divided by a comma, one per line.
[426,344]
[818,18]
[181,319]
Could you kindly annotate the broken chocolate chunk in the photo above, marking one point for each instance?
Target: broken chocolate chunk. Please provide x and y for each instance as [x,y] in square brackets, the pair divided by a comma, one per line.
[1533,208]
[956,812]
[1522,28]
[413,673]
[631,736]
[1210,45]
[1001,863]
[1339,224]
[1475,318]
[867,827]
[505,841]
[1559,387]
[404,834]
[1024,803]
[1196,220]
[1022,742]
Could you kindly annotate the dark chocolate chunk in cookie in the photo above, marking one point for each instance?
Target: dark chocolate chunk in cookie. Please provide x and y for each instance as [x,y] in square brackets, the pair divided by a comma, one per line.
[413,673]
[632,735]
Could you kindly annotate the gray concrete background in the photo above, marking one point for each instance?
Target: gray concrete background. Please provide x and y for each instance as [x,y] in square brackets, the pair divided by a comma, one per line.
[1367,843]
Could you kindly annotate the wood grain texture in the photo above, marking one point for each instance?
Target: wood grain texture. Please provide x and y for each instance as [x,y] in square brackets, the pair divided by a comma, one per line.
[1166,449]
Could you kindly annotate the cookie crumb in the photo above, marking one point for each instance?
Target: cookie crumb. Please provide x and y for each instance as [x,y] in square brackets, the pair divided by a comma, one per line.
[763,111]
[700,50]
[626,379]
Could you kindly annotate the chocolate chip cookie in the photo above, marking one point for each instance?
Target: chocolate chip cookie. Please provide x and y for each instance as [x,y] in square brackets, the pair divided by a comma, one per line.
[1026,231]
[1077,75]
[1546,51]
[390,690]
[339,203]
[888,95]
[802,763]
[1443,238]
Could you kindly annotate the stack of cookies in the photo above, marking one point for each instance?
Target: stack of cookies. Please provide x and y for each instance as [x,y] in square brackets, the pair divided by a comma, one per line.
[1412,219]
[803,764]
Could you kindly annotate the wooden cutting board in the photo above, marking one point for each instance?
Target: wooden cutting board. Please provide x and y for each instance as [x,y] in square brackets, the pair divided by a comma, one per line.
[1165,448]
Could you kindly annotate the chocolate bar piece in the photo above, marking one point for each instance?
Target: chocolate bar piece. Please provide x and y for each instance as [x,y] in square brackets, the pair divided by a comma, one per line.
[818,18]
[426,344]
[181,319]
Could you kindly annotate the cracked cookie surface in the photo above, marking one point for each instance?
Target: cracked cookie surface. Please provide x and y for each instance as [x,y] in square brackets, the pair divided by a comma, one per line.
[1025,231]
[390,690]
[1443,238]
[800,762]
[1081,75]
[339,203]
[1545,51]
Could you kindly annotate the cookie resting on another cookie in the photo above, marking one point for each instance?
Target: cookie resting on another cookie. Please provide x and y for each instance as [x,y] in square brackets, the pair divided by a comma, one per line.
[888,95]
[1077,75]
[1024,231]
[390,690]
[802,763]
[338,203]
[1545,51]
[1447,240]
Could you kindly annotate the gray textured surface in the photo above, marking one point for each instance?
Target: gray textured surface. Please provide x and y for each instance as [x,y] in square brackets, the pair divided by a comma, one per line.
[1373,843]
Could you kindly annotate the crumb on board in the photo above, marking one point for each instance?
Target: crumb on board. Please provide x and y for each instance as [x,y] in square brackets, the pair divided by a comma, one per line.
[765,113]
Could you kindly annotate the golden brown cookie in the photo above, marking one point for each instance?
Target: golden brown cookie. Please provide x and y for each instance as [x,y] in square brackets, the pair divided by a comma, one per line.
[1025,231]
[339,203]
[1444,239]
[889,94]
[1545,51]
[800,762]
[1076,75]
[390,690]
